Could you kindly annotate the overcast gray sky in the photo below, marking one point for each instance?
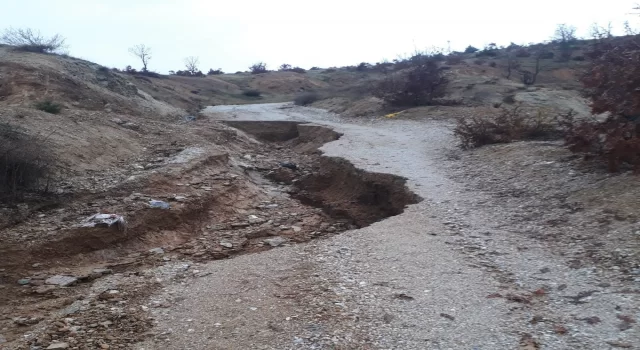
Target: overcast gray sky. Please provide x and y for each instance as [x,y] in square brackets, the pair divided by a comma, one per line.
[234,34]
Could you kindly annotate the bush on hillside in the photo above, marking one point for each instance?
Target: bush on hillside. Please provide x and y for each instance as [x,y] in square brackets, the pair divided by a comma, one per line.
[510,125]
[215,72]
[306,98]
[417,85]
[490,50]
[612,81]
[26,164]
[512,46]
[471,49]
[546,55]
[186,73]
[363,66]
[288,68]
[454,60]
[32,41]
[258,68]
[49,107]
[523,52]
[298,70]
[251,93]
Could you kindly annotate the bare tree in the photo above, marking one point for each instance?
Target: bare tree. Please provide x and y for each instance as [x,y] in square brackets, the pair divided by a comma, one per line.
[143,52]
[598,32]
[191,63]
[565,33]
[512,64]
[28,40]
[628,30]
[528,77]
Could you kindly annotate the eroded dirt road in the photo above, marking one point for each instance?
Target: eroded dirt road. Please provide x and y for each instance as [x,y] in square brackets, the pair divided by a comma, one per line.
[454,271]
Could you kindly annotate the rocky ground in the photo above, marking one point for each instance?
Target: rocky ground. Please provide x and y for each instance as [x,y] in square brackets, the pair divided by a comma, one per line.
[84,287]
[509,246]
[455,271]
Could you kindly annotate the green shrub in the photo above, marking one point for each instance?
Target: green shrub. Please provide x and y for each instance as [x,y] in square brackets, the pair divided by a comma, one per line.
[306,98]
[49,107]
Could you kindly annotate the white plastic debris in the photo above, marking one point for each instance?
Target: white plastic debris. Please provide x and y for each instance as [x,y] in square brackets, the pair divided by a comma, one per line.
[159,204]
[106,221]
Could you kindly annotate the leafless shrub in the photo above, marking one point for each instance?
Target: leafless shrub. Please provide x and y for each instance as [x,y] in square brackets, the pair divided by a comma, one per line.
[598,32]
[530,77]
[26,39]
[616,140]
[510,125]
[612,81]
[26,164]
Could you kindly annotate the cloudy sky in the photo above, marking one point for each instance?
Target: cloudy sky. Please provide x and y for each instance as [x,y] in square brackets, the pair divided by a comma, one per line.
[234,34]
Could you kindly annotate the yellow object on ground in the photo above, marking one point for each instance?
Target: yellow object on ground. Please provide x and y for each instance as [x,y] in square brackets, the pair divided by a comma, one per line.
[393,115]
